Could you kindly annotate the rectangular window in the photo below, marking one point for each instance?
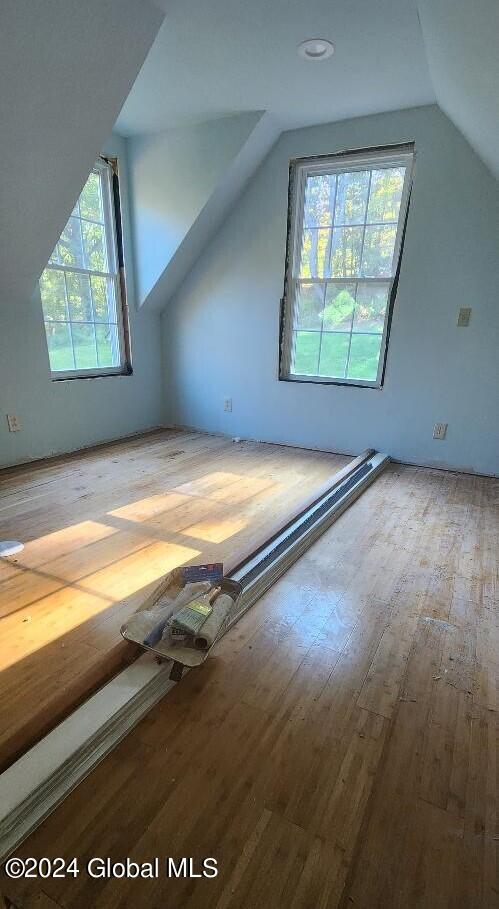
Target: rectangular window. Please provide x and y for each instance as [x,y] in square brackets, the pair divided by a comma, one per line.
[81,288]
[346,221]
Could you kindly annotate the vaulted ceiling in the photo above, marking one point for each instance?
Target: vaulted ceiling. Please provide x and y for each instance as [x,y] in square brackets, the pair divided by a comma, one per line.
[221,57]
[462,39]
[217,58]
[65,69]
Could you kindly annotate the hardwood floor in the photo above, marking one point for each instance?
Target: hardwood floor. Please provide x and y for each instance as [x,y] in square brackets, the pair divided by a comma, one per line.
[340,750]
[101,528]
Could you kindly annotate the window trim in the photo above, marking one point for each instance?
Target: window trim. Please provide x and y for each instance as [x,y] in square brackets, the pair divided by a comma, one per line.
[107,168]
[299,169]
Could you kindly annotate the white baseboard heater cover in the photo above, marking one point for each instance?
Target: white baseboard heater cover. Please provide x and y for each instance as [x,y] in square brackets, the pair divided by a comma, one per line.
[38,781]
[268,563]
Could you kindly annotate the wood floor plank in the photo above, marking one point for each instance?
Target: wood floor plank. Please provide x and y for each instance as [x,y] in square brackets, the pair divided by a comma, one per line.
[100,529]
[341,747]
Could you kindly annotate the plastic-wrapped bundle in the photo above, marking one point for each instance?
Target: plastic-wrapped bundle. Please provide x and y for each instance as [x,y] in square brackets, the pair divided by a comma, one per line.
[166,607]
[205,638]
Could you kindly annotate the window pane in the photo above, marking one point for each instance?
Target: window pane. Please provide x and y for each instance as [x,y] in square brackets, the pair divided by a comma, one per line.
[319,201]
[364,357]
[379,244]
[73,293]
[84,346]
[351,197]
[107,345]
[53,295]
[90,199]
[306,359]
[344,274]
[315,253]
[79,299]
[340,302]
[94,242]
[309,305]
[70,248]
[104,299]
[345,252]
[370,309]
[386,193]
[334,352]
[59,345]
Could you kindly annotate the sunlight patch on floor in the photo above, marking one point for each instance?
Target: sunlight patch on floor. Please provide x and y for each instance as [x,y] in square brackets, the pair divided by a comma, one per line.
[245,489]
[215,531]
[138,569]
[41,623]
[209,483]
[143,509]
[25,632]
[55,545]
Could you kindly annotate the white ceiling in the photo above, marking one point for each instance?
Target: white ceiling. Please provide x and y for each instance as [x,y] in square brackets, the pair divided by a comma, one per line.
[462,38]
[213,58]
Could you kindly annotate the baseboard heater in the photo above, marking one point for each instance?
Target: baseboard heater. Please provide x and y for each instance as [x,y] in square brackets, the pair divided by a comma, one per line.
[262,568]
[36,783]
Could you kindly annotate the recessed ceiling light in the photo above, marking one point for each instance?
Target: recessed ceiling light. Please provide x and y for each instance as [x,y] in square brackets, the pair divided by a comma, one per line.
[315,49]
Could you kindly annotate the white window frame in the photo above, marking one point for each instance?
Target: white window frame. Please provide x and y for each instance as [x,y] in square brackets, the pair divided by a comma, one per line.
[300,169]
[105,171]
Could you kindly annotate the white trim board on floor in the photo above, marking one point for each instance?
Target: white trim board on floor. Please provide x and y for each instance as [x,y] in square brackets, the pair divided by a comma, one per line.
[36,783]
[265,567]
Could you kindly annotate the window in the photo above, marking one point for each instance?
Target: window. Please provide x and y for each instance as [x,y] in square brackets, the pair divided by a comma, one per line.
[81,287]
[347,215]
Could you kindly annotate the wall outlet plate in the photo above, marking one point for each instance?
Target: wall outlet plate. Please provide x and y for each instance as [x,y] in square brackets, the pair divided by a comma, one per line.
[228,405]
[13,422]
[463,319]
[439,430]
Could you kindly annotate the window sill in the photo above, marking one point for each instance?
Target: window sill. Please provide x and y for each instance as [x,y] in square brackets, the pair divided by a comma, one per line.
[89,374]
[320,380]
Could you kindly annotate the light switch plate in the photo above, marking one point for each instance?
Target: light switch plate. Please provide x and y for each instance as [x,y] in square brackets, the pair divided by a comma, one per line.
[439,430]
[463,319]
[228,405]
[13,422]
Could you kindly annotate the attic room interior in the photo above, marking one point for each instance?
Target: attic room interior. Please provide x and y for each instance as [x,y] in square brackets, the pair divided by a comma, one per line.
[249,454]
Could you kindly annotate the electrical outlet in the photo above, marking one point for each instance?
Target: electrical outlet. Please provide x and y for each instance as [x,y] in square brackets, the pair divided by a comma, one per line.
[463,319]
[228,405]
[439,430]
[13,421]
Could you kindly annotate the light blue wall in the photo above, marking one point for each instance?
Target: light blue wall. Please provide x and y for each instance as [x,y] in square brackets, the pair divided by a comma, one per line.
[220,333]
[173,175]
[67,415]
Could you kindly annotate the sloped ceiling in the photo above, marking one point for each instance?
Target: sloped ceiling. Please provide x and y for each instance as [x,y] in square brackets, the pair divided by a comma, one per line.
[220,57]
[462,39]
[65,69]
[216,58]
[194,119]
[194,136]
[181,182]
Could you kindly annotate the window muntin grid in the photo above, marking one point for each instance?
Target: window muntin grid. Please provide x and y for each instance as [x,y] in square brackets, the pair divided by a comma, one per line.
[80,287]
[346,226]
